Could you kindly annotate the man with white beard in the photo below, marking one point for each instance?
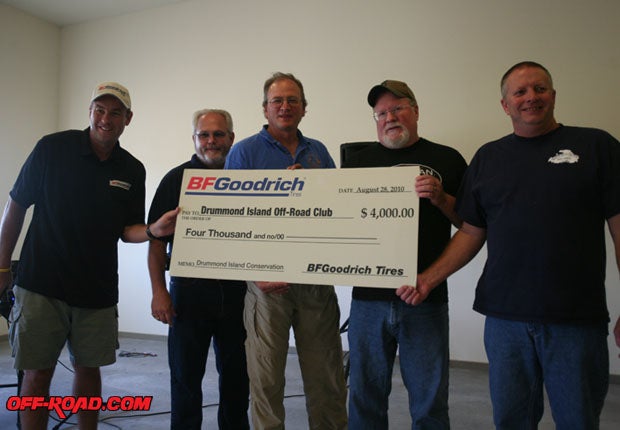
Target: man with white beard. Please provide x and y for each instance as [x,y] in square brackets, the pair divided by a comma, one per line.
[379,322]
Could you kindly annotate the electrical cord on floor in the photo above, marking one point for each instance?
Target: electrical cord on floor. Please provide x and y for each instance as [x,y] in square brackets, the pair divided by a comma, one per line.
[65,422]
[136,354]
[104,420]
[152,414]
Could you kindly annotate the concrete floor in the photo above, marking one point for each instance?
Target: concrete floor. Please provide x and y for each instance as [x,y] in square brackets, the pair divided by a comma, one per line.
[146,374]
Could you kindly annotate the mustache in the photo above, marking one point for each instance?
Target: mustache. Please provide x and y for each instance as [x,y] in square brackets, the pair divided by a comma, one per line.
[394,124]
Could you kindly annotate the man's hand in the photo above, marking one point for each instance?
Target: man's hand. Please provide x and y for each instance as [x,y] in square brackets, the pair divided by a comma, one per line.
[415,294]
[161,307]
[165,225]
[429,187]
[273,287]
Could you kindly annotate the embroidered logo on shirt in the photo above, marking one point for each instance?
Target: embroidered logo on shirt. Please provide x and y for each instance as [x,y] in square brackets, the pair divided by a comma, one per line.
[120,184]
[564,156]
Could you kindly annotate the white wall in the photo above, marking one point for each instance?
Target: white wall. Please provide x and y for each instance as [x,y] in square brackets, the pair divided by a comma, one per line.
[29,65]
[178,58]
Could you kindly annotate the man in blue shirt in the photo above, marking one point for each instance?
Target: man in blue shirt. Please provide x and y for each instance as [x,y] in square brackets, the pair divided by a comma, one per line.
[272,308]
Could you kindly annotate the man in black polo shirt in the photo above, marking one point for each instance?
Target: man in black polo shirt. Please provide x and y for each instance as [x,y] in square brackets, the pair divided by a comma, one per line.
[87,193]
[199,310]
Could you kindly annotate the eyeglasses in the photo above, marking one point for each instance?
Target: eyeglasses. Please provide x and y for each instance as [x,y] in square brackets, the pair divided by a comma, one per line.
[382,115]
[279,101]
[204,135]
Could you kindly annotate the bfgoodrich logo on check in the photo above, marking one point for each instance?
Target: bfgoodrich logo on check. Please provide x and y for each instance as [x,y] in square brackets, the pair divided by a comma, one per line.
[226,186]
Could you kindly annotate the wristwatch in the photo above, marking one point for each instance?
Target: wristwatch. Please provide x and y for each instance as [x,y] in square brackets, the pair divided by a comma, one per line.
[151,235]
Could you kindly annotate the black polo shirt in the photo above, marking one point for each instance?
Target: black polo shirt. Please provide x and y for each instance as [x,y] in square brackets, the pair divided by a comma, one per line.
[81,206]
[167,198]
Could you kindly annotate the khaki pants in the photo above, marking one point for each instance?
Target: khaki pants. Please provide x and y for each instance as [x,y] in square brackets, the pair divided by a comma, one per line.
[312,311]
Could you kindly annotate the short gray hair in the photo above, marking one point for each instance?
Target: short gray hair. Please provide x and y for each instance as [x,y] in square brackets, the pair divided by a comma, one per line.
[201,112]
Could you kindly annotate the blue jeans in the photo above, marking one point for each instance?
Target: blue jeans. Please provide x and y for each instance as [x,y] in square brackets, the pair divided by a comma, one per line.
[205,312]
[420,333]
[571,360]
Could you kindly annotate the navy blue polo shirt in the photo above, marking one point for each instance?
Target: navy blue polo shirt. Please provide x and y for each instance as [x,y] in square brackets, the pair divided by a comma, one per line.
[81,206]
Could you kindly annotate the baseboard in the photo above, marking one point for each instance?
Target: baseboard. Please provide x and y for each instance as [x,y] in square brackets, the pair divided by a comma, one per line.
[474,365]
[458,364]
[144,336]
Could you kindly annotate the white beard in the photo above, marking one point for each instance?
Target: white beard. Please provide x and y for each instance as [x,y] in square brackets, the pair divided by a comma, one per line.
[398,142]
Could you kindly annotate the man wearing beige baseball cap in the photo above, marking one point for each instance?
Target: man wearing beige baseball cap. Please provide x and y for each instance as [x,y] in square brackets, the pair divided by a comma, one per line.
[114,89]
[379,322]
[87,193]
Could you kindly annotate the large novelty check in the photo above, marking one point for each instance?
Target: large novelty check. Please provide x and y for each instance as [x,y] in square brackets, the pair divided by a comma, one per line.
[311,226]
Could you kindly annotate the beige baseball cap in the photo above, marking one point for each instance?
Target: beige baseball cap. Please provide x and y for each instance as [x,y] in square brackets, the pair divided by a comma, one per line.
[114,89]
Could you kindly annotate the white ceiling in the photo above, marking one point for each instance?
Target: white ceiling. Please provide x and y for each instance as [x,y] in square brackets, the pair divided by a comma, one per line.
[65,12]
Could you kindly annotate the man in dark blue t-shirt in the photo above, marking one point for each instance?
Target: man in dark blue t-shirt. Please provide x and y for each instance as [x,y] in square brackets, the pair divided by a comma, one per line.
[540,198]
